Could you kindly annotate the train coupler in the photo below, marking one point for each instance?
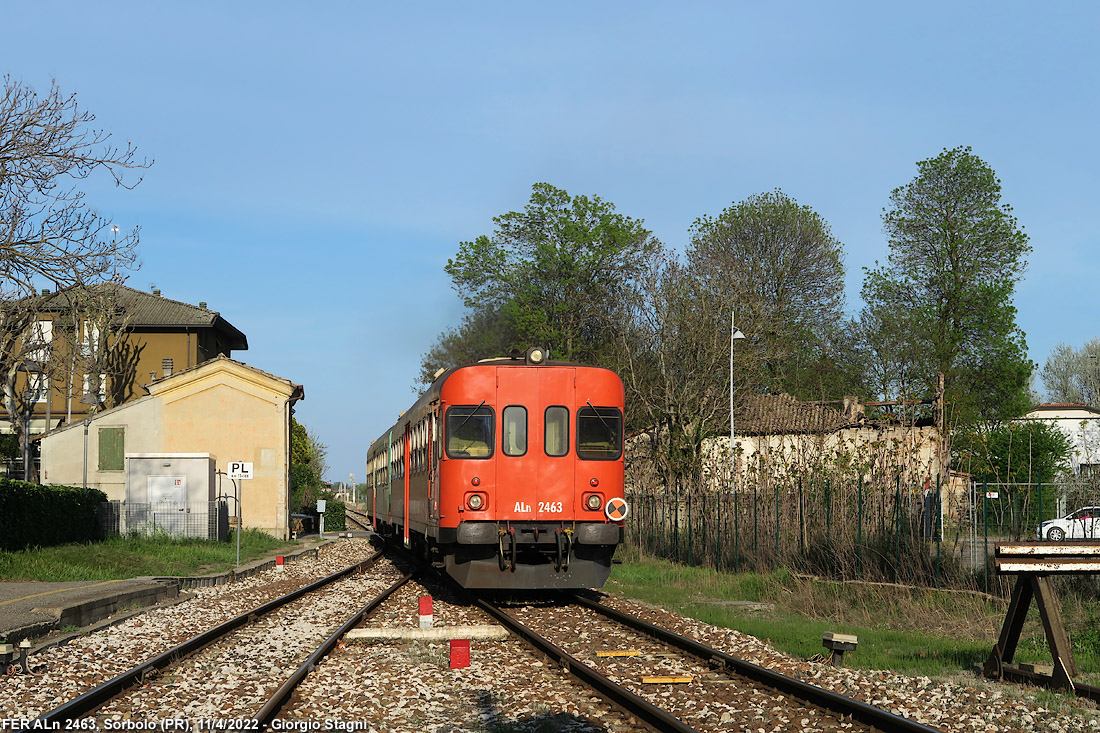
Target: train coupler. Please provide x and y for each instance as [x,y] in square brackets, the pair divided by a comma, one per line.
[564,541]
[506,558]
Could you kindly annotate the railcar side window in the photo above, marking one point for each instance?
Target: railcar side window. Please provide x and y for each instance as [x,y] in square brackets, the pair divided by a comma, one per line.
[556,434]
[514,427]
[469,431]
[599,433]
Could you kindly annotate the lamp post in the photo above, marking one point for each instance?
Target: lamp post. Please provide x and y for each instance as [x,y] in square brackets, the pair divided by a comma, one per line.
[87,422]
[92,400]
[735,335]
[28,409]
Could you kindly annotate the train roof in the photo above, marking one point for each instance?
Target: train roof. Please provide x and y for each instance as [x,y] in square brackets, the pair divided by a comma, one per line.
[433,391]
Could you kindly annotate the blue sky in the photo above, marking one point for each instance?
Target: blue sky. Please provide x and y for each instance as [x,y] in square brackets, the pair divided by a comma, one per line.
[316,166]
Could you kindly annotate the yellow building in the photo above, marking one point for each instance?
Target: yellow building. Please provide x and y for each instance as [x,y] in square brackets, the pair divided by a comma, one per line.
[220,407]
[144,337]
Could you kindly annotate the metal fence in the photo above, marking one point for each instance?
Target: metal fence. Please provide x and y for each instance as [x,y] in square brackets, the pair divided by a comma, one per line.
[13,468]
[925,534]
[207,519]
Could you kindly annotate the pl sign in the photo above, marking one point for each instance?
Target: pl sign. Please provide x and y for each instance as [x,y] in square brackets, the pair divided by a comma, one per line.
[240,469]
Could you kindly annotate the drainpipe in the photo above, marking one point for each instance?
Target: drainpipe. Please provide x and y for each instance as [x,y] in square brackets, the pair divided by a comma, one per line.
[286,466]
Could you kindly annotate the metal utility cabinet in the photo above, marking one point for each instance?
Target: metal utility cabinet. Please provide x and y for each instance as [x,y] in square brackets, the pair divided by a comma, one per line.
[172,493]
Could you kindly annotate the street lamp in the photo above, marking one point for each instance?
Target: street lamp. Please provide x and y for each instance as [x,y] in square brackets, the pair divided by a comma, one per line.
[91,399]
[28,410]
[735,335]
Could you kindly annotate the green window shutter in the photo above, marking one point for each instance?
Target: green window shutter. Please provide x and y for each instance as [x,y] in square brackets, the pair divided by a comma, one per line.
[112,446]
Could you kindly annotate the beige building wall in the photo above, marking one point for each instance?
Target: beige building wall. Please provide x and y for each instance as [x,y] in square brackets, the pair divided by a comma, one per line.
[912,452]
[63,450]
[245,413]
[222,407]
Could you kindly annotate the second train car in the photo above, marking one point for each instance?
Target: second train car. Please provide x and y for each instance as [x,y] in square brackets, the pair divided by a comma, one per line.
[508,473]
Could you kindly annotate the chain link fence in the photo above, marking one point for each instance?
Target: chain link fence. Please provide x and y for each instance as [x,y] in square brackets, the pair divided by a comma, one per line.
[206,520]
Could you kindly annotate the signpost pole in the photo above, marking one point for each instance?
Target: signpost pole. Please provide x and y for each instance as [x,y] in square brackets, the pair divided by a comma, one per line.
[237,495]
[239,470]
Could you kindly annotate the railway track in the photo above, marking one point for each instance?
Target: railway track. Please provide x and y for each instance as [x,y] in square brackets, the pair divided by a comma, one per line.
[201,682]
[358,518]
[696,687]
[409,686]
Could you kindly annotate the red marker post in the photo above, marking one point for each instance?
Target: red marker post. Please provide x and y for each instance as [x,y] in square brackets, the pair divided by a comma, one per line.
[460,653]
[426,612]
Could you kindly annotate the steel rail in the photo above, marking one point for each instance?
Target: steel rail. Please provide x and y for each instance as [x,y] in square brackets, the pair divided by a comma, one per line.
[633,704]
[835,702]
[358,518]
[270,710]
[97,696]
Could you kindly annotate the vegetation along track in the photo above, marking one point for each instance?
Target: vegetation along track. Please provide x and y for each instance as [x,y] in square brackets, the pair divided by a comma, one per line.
[693,687]
[243,669]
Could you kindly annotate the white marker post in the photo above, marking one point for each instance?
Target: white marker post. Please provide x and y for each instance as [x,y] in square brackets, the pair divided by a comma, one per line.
[321,518]
[239,471]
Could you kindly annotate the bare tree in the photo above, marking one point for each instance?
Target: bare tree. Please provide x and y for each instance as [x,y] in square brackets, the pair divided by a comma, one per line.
[673,358]
[49,236]
[1072,375]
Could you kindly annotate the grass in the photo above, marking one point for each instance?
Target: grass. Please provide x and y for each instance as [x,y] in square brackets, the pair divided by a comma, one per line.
[913,631]
[129,557]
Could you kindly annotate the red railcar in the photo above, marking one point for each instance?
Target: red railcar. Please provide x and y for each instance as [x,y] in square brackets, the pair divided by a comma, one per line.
[508,473]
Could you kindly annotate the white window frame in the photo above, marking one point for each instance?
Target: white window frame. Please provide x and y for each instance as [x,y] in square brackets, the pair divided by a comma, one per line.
[102,386]
[39,384]
[39,341]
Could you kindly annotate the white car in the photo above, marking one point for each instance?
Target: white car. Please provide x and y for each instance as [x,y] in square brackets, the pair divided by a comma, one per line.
[1082,524]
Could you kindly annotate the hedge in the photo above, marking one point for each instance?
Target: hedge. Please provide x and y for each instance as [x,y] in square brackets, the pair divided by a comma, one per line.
[40,516]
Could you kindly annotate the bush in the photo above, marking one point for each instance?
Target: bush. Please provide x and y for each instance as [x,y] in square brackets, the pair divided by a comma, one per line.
[334,512]
[40,516]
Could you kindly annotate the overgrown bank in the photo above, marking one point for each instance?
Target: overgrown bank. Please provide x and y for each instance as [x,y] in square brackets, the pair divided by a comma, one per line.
[135,556]
[916,631]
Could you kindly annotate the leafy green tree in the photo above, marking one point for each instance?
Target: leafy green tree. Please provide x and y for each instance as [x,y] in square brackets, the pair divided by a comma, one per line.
[776,264]
[550,275]
[484,332]
[1015,452]
[945,298]
[1072,375]
[307,467]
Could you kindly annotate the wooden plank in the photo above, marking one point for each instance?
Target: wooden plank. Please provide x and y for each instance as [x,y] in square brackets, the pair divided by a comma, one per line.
[1048,549]
[666,680]
[619,653]
[489,632]
[1046,566]
[1050,611]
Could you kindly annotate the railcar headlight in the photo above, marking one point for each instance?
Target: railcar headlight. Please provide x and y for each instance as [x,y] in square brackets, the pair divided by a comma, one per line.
[535,355]
[593,502]
[475,502]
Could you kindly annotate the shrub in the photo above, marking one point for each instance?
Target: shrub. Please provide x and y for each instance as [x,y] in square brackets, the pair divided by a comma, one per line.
[32,515]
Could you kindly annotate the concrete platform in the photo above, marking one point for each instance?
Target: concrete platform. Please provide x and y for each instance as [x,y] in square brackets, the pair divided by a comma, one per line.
[31,610]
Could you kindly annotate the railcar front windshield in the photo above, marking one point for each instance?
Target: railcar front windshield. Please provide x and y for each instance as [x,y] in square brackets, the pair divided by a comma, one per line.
[599,433]
[470,431]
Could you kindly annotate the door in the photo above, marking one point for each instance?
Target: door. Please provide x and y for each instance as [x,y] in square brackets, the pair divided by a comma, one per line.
[517,476]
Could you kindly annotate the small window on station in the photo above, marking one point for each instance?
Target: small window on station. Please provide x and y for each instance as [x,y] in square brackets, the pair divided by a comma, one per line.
[556,432]
[514,430]
[599,433]
[469,431]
